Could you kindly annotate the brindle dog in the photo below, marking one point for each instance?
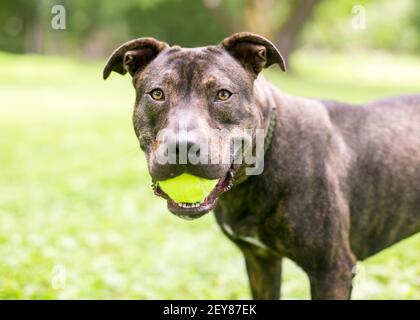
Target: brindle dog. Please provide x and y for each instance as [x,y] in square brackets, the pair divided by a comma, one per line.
[340,182]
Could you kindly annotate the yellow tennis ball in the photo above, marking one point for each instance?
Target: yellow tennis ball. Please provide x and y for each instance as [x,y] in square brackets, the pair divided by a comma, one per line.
[187,188]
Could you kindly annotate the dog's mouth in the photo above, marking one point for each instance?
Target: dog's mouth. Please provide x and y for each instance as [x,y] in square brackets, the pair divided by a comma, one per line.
[191,211]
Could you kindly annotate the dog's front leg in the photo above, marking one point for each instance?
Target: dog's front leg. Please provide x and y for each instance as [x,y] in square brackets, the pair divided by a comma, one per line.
[264,275]
[333,283]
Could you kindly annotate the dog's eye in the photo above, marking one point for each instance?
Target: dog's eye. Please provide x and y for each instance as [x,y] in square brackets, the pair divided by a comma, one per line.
[157,94]
[223,95]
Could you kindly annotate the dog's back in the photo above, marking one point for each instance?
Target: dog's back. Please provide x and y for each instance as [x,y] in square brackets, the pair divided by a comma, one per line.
[383,139]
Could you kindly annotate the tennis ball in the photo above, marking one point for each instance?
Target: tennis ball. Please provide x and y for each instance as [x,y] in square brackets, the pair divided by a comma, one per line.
[187,188]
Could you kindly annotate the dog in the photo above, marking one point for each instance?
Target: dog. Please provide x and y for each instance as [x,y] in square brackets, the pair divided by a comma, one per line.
[340,182]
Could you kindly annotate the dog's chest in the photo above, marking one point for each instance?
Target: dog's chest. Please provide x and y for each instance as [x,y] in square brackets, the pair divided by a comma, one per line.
[267,236]
[247,233]
[248,237]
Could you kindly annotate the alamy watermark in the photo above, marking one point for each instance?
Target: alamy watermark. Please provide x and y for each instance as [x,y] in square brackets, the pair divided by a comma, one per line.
[358,22]
[218,146]
[58,21]
[58,277]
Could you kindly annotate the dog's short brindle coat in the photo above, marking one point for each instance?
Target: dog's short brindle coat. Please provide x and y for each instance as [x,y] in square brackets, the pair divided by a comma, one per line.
[340,182]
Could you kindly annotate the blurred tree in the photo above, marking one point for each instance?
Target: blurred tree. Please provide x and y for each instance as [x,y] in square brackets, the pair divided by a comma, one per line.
[286,37]
[416,22]
[282,21]
[183,22]
[21,26]
[34,31]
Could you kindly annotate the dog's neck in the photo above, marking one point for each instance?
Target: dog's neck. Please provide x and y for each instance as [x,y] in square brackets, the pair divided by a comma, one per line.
[269,119]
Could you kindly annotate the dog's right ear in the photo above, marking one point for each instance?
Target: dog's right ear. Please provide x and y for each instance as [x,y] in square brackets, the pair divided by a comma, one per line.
[133,56]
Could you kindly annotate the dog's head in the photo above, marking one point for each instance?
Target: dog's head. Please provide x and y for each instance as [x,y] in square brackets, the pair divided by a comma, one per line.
[185,97]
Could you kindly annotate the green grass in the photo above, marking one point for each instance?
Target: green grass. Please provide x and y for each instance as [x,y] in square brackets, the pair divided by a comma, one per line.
[78,218]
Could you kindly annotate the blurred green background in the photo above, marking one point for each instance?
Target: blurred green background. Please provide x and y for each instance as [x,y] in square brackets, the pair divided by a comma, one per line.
[78,218]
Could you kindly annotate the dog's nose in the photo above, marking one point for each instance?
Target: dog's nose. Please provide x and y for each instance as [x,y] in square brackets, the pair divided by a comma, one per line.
[182,143]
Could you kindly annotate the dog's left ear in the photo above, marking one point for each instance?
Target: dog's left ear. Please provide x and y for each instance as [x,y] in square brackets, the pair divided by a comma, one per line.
[253,51]
[133,56]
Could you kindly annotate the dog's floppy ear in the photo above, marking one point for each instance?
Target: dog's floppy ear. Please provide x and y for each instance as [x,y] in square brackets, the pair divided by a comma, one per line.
[133,56]
[253,51]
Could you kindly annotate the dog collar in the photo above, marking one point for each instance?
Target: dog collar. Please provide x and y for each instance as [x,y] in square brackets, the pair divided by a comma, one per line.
[240,175]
